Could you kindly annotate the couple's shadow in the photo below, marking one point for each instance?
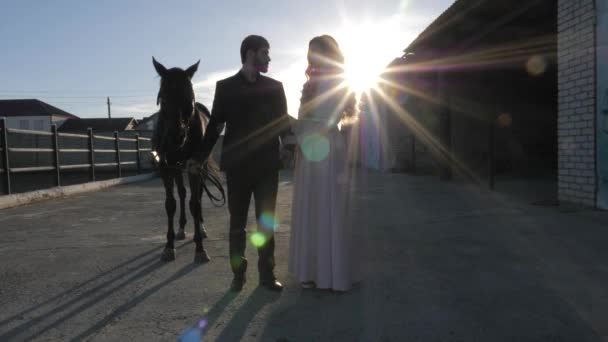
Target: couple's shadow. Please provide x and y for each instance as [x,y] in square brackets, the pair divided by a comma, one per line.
[243,315]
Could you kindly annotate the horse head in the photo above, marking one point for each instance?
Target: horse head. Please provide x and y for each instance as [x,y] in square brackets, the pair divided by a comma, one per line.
[177,105]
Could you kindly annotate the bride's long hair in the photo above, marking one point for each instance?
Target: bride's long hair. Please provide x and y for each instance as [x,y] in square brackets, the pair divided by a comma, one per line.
[325,62]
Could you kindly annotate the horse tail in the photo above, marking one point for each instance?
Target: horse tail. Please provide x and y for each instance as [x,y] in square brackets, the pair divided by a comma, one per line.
[203,109]
[211,171]
[210,166]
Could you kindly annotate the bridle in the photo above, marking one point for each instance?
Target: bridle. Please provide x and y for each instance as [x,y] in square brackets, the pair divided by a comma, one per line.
[184,126]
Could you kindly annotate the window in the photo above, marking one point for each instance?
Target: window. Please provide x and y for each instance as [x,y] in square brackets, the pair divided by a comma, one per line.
[39,125]
[24,124]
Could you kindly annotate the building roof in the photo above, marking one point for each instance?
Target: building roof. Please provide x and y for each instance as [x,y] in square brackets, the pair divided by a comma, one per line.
[30,107]
[471,22]
[98,124]
[143,122]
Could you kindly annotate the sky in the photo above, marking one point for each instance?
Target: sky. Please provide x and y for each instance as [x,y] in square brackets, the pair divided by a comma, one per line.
[74,54]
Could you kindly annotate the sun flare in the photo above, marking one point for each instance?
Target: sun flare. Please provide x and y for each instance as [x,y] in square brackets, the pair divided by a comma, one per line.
[368,48]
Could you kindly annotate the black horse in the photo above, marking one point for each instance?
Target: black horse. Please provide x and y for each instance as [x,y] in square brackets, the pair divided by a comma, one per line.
[179,132]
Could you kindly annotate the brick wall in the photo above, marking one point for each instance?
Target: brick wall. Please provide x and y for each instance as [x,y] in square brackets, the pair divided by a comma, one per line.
[576,101]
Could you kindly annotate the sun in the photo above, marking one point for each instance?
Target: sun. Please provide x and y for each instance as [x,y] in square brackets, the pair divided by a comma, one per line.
[359,77]
[368,48]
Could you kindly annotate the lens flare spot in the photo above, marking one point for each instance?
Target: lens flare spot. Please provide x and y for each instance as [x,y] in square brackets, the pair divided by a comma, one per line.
[505,120]
[536,65]
[258,239]
[268,222]
[202,323]
[315,147]
[191,335]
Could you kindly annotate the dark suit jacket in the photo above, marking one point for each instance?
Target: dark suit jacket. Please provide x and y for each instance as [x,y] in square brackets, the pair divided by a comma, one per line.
[255,116]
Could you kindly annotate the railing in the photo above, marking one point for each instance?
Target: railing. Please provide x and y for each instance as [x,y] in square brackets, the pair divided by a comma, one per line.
[5,148]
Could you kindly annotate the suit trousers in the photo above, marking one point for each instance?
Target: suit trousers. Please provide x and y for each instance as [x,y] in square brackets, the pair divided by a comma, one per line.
[263,186]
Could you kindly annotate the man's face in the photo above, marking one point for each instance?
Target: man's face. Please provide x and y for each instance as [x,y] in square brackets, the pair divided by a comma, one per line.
[261,59]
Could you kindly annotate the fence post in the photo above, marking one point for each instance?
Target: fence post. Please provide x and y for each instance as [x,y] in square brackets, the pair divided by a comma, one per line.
[117,146]
[91,154]
[445,131]
[491,153]
[137,147]
[5,159]
[413,154]
[56,163]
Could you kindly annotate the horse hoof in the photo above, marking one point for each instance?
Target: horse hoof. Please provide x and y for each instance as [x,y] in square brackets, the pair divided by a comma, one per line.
[168,254]
[201,257]
[181,235]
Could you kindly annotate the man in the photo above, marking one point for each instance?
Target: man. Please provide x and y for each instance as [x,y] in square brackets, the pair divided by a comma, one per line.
[254,110]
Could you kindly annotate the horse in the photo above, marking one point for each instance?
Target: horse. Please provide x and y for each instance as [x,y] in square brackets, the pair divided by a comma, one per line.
[178,134]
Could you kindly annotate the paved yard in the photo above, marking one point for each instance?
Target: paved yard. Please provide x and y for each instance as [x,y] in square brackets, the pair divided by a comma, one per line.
[441,262]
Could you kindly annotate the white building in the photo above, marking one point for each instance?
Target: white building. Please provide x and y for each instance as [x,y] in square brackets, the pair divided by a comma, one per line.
[32,114]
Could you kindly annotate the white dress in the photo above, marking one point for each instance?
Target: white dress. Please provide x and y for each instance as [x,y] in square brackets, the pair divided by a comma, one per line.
[321,234]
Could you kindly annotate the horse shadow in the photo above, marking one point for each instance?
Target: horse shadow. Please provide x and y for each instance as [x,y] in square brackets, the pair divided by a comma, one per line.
[134,302]
[149,263]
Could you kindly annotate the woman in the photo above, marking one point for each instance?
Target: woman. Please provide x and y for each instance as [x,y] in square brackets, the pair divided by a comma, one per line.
[320,246]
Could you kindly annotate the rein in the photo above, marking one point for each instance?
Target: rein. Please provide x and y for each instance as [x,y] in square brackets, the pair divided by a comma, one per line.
[215,181]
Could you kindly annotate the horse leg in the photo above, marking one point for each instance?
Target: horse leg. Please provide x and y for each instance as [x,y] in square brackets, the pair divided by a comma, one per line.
[181,191]
[200,255]
[168,177]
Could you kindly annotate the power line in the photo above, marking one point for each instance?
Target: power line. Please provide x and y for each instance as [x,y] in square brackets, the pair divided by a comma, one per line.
[141,90]
[74,97]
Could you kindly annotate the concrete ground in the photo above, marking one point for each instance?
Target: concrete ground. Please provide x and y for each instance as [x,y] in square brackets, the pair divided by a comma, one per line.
[441,262]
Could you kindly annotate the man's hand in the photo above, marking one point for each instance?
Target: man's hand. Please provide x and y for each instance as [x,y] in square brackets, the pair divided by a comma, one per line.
[286,155]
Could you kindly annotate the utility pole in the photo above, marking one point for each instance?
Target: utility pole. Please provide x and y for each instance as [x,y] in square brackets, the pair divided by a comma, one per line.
[109,114]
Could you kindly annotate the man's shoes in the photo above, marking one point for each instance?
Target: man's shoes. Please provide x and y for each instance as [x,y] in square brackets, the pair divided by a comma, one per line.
[272,284]
[237,283]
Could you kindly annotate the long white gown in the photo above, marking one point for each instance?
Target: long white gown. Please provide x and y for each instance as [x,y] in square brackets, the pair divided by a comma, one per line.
[321,234]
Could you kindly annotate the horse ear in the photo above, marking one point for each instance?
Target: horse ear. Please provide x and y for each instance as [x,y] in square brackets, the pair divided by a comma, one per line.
[160,69]
[192,69]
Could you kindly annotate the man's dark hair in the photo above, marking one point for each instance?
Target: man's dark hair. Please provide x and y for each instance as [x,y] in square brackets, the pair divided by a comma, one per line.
[252,42]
